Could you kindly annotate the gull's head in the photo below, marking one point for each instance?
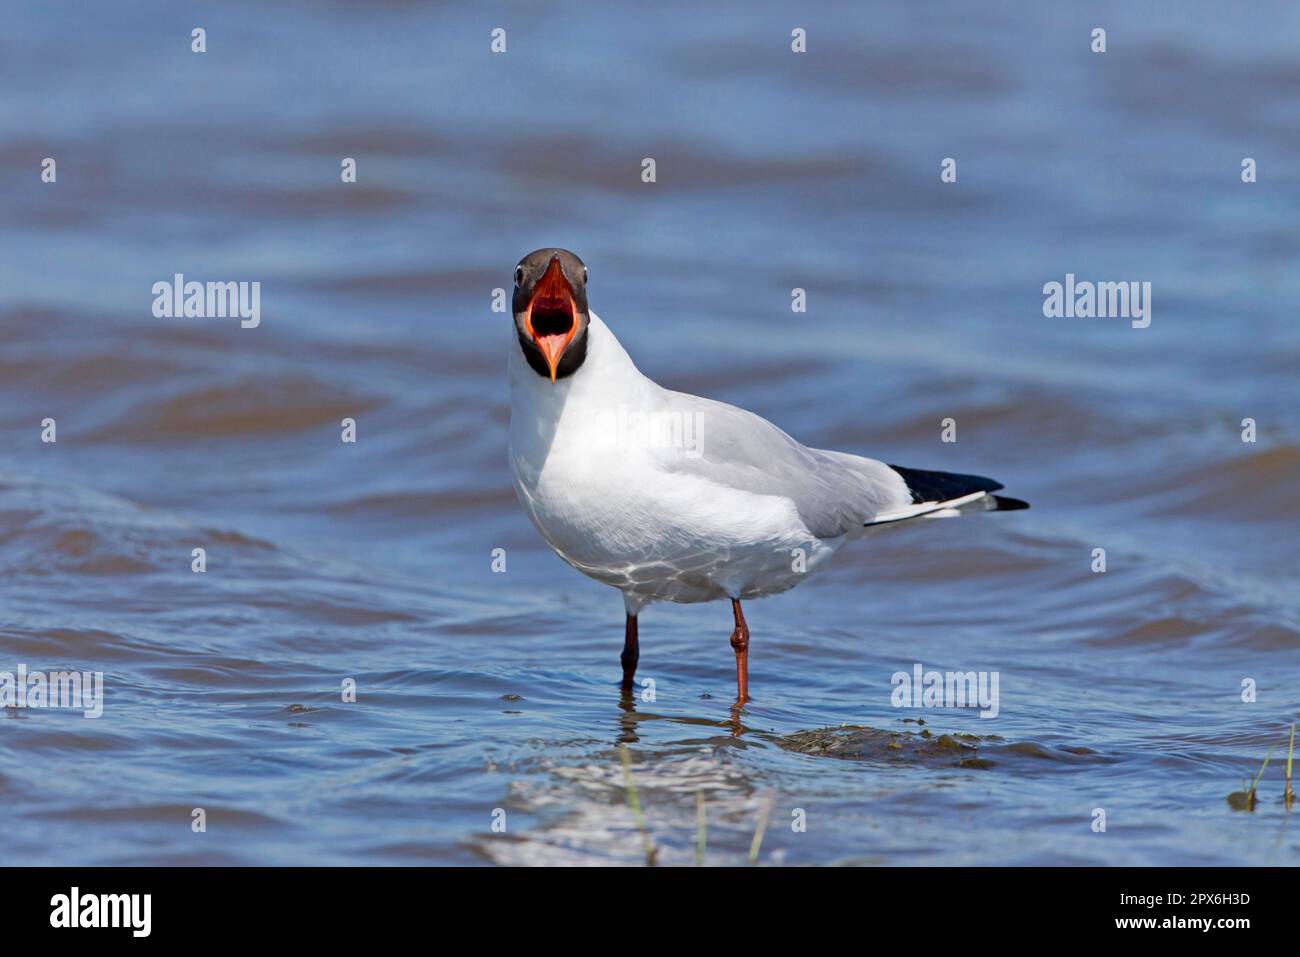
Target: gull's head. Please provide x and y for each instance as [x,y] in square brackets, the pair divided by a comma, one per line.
[550,308]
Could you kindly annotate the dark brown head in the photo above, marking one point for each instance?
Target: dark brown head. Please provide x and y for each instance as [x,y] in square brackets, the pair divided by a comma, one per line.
[550,308]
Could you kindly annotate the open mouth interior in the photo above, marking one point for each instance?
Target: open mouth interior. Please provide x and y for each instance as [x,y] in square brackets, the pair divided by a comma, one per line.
[552,316]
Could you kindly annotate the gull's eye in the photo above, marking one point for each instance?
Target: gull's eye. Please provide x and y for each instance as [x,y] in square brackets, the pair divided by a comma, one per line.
[584,275]
[519,275]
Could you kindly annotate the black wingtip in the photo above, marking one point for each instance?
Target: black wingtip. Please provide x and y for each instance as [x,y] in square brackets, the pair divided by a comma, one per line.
[1008,504]
[927,486]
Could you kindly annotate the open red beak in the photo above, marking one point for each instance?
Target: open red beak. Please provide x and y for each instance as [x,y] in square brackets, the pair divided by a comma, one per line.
[552,316]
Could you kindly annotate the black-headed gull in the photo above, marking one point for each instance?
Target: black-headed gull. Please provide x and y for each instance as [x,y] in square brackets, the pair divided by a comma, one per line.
[668,496]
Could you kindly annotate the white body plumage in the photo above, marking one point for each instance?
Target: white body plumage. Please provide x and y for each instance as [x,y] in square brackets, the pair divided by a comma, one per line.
[747,512]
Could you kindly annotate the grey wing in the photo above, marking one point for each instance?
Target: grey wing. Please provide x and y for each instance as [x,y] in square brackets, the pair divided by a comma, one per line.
[834,492]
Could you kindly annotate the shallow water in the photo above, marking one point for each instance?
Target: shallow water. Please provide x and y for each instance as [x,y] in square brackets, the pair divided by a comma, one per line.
[480,691]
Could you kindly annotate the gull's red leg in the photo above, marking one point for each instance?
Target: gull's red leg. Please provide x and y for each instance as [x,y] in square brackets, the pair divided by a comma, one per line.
[740,642]
[631,653]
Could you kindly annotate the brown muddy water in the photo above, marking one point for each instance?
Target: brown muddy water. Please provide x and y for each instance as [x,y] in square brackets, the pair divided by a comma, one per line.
[486,698]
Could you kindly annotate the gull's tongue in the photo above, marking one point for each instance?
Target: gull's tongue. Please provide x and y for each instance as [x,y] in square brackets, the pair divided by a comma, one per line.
[551,347]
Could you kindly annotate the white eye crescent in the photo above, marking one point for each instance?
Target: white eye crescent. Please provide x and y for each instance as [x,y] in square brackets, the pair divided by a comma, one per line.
[519,275]
[584,275]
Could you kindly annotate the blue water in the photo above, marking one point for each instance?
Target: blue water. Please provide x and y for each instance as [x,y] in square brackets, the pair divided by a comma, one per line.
[482,694]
